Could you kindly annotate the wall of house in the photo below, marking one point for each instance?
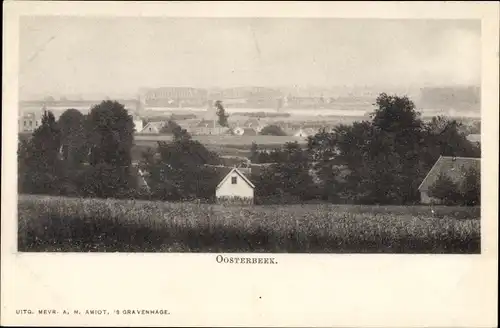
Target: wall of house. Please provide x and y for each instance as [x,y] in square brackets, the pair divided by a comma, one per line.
[29,124]
[240,189]
[150,130]
[426,199]
[138,125]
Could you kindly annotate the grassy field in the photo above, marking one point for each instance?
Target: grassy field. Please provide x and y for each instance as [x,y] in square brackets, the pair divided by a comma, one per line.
[92,225]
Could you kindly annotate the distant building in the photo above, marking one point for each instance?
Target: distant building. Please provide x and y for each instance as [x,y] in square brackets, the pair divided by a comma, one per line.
[252,97]
[234,186]
[209,127]
[138,124]
[174,97]
[300,133]
[243,131]
[453,167]
[311,131]
[29,122]
[153,128]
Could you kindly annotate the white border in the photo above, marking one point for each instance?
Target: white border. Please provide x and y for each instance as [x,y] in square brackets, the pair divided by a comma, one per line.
[302,290]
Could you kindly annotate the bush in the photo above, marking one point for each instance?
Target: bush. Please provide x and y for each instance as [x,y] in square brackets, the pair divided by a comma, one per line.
[467,192]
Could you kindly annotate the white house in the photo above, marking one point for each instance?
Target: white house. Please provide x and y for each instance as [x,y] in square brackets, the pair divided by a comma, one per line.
[234,186]
[240,131]
[300,133]
[152,128]
[138,124]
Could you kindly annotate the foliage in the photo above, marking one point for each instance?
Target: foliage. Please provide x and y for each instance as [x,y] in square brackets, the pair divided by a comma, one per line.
[470,187]
[221,114]
[110,131]
[171,128]
[446,190]
[83,225]
[386,158]
[272,130]
[465,192]
[73,137]
[177,170]
[288,179]
[38,159]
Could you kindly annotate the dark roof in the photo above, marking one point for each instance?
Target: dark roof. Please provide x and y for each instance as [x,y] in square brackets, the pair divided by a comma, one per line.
[249,132]
[453,167]
[223,171]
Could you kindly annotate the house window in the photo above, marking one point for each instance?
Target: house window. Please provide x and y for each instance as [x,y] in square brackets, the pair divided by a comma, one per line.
[233,180]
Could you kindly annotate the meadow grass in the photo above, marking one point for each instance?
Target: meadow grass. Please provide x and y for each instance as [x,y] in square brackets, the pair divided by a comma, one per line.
[61,224]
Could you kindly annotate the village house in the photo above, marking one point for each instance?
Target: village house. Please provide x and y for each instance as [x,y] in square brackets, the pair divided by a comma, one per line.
[173,97]
[254,124]
[234,185]
[138,124]
[300,133]
[188,124]
[153,128]
[209,127]
[453,167]
[29,122]
[244,131]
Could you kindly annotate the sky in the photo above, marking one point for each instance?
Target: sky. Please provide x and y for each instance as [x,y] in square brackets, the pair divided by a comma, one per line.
[116,56]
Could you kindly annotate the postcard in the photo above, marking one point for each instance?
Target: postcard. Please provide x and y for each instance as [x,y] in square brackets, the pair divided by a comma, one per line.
[250,164]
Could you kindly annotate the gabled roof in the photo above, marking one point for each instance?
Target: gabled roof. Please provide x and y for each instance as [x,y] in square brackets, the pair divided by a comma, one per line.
[249,132]
[252,122]
[225,172]
[453,167]
[154,125]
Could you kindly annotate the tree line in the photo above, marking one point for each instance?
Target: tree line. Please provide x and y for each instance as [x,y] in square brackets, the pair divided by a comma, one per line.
[377,161]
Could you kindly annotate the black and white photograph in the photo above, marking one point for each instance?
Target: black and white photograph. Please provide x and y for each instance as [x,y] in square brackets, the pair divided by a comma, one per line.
[260,164]
[259,135]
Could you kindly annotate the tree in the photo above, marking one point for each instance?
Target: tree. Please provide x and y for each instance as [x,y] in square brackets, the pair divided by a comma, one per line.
[446,190]
[470,188]
[254,153]
[288,179]
[174,129]
[73,137]
[272,130]
[444,137]
[110,133]
[178,171]
[221,113]
[387,157]
[38,159]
